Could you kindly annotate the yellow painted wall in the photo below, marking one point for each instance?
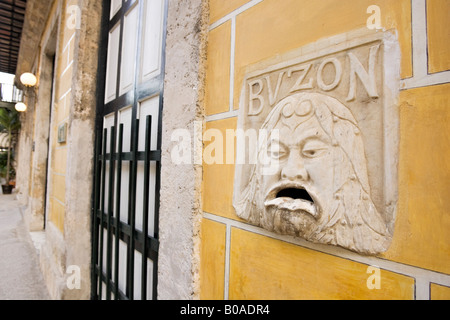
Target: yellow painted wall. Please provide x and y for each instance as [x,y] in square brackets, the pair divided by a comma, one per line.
[422,236]
[218,70]
[218,179]
[213,267]
[262,265]
[60,114]
[440,292]
[220,8]
[268,269]
[438,14]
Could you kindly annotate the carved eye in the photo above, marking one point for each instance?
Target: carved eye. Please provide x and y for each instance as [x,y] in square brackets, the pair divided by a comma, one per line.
[310,153]
[276,151]
[314,149]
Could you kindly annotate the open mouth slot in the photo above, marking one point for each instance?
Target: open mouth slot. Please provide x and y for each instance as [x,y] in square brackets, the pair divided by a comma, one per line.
[294,193]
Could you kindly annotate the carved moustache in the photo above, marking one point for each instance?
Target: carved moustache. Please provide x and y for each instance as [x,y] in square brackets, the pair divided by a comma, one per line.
[294,197]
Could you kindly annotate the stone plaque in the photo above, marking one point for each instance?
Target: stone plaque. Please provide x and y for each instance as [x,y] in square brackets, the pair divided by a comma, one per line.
[62,133]
[317,142]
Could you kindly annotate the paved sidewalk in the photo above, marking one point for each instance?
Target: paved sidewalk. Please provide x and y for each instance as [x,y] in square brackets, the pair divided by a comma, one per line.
[20,276]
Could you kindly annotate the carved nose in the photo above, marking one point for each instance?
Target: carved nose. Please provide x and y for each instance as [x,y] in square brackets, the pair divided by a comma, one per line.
[294,169]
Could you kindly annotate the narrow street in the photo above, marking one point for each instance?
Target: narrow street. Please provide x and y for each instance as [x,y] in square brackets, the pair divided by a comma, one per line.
[20,276]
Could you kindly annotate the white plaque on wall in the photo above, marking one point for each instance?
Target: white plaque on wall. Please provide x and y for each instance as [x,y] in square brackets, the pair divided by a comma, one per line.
[324,164]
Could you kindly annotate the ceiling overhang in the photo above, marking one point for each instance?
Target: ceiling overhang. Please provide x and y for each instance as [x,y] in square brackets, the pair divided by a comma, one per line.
[12,16]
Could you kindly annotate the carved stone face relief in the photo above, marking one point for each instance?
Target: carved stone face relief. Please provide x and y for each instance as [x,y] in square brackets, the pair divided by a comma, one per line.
[326,156]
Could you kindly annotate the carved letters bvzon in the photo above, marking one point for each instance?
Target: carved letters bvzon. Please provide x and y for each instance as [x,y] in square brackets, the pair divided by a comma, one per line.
[326,167]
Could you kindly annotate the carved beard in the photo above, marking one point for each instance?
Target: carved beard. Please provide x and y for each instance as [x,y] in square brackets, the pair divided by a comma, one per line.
[299,223]
[283,221]
[355,223]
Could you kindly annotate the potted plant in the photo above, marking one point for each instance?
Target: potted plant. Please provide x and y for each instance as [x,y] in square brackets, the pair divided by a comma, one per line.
[4,163]
[9,126]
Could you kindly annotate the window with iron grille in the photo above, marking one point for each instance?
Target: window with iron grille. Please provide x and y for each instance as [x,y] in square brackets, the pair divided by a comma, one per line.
[128,150]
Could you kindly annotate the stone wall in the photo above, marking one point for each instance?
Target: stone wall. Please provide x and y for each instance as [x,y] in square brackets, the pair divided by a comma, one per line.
[180,209]
[57,187]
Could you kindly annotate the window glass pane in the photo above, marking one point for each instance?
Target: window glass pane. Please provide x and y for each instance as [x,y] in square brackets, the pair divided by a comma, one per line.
[129,43]
[112,62]
[138,276]
[108,122]
[149,107]
[123,251]
[152,39]
[125,119]
[115,7]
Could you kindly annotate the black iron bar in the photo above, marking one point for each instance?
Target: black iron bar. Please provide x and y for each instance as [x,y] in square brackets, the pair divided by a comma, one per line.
[132,200]
[102,205]
[118,198]
[120,295]
[125,235]
[110,213]
[148,139]
[95,222]
[154,155]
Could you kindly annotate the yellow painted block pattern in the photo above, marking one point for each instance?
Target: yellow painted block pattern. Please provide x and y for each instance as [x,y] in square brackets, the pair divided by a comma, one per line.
[438,17]
[269,269]
[65,57]
[220,8]
[57,214]
[212,268]
[217,97]
[66,36]
[438,292]
[60,161]
[59,187]
[68,33]
[275,27]
[61,111]
[65,108]
[57,107]
[422,236]
[70,51]
[68,21]
[218,179]
[65,82]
